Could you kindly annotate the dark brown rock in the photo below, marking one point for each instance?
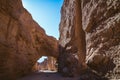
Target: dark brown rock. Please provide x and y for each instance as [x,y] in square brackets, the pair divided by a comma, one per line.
[101,22]
[91,75]
[22,41]
[95,23]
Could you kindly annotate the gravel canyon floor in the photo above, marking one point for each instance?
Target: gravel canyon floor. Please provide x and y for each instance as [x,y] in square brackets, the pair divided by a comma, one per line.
[47,76]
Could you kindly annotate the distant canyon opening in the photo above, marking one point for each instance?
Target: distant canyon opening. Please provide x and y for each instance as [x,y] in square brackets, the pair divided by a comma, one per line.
[46,64]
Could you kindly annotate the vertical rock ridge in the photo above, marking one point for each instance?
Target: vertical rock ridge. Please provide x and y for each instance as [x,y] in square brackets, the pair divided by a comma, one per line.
[100,30]
[72,40]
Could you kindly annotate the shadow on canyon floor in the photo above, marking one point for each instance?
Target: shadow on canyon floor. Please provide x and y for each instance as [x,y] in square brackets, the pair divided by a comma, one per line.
[56,76]
[46,76]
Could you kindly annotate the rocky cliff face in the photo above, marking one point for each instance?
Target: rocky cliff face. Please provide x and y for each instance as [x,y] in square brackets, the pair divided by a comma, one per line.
[72,39]
[101,22]
[22,40]
[91,29]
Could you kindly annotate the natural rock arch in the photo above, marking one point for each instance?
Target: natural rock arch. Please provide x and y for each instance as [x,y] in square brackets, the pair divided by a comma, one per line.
[22,40]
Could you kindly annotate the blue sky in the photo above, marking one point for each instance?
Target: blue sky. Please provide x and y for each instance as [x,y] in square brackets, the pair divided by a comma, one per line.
[47,14]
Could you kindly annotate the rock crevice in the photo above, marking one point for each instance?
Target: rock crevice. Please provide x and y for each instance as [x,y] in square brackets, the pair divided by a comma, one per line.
[73,48]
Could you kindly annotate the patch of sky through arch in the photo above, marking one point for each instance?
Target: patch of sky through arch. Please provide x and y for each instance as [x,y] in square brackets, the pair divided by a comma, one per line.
[47,14]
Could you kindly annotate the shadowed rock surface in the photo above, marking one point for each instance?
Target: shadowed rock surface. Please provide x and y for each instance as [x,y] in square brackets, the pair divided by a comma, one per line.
[22,41]
[96,23]
[56,76]
[72,47]
[101,22]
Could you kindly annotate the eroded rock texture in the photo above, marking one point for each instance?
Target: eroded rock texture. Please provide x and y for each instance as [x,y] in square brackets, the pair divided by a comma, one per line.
[101,22]
[96,22]
[22,41]
[72,40]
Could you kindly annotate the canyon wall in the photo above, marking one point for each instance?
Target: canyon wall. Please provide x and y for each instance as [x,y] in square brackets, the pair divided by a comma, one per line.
[22,41]
[72,42]
[90,29]
[101,22]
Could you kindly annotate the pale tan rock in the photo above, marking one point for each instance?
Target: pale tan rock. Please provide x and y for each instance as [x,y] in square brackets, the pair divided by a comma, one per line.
[48,64]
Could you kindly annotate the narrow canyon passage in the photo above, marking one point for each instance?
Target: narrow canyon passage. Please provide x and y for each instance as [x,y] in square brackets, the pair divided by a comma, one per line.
[88,47]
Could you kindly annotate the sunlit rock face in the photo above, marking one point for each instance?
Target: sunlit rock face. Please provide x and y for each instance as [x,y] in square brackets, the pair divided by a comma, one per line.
[72,45]
[22,41]
[49,64]
[96,23]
